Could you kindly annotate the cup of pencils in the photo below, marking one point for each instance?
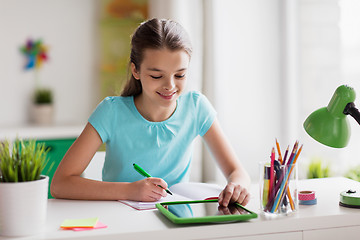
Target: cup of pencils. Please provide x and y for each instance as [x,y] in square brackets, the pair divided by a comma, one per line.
[278,181]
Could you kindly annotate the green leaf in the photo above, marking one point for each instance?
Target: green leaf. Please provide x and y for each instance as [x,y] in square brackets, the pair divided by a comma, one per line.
[24,162]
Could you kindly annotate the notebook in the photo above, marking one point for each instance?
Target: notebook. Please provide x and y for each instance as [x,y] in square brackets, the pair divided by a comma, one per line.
[181,192]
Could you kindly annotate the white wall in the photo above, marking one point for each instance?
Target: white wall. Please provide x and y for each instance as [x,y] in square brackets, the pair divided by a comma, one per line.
[284,58]
[320,71]
[68,28]
[350,66]
[247,77]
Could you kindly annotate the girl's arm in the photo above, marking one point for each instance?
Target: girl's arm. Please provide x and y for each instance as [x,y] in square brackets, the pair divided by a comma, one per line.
[238,179]
[67,182]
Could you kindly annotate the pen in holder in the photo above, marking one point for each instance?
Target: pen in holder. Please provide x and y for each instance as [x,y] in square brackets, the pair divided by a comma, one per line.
[278,183]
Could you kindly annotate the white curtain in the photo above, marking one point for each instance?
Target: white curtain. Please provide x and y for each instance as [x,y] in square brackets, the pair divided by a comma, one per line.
[238,56]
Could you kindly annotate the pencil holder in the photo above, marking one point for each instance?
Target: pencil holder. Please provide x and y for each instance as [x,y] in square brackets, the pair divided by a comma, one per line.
[278,188]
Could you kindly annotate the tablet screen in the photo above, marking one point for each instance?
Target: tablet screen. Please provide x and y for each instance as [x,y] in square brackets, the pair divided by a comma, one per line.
[204,209]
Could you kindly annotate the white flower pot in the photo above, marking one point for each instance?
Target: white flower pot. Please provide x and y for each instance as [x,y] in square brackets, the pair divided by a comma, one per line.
[23,207]
[42,114]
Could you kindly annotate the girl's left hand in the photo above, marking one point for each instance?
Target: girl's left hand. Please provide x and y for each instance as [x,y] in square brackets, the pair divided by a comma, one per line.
[234,193]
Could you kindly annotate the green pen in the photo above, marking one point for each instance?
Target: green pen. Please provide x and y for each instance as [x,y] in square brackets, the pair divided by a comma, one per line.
[145,174]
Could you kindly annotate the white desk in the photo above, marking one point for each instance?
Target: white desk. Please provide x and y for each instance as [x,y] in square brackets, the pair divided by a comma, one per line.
[326,220]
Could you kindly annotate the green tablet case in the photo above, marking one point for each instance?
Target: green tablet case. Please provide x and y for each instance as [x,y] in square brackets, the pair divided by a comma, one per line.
[206,219]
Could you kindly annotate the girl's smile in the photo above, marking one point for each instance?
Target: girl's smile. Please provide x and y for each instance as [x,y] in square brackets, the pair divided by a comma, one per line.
[167,96]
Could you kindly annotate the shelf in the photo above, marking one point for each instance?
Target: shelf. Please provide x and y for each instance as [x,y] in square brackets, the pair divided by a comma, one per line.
[41,132]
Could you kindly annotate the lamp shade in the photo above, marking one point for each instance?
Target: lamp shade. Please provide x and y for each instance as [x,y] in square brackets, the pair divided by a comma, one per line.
[329,125]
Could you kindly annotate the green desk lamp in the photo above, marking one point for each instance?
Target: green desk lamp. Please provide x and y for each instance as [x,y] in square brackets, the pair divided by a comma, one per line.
[329,126]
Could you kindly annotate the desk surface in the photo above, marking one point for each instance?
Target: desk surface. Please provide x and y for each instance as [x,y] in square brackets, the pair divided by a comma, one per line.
[126,223]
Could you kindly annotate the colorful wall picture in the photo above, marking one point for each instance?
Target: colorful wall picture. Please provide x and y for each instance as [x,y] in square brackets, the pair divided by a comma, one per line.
[119,19]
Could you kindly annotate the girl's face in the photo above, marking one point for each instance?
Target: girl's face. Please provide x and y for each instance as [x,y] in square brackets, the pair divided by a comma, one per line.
[163,76]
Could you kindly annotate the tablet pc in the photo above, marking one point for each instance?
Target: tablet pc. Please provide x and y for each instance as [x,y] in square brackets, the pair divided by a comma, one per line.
[204,211]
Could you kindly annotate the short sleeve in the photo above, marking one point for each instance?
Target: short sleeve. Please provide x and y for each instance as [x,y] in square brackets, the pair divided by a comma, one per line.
[102,118]
[206,114]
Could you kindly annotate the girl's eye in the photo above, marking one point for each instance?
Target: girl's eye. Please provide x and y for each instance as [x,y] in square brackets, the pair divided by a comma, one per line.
[155,77]
[180,76]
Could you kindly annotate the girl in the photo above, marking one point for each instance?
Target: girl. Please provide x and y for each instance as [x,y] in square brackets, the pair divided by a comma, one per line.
[152,124]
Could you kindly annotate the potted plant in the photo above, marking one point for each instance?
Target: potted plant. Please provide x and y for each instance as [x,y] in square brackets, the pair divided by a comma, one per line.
[353,173]
[43,111]
[23,190]
[318,169]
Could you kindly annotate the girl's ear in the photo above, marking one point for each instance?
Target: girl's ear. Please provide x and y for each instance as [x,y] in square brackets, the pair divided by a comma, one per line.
[135,72]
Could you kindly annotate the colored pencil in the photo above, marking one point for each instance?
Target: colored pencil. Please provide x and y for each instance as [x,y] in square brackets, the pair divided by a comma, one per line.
[283,163]
[279,152]
[291,158]
[278,184]
[290,198]
[273,192]
[293,152]
[286,153]
[284,183]
[287,185]
[279,193]
[297,155]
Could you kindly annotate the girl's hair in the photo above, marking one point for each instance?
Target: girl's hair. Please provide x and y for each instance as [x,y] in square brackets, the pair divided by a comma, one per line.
[154,34]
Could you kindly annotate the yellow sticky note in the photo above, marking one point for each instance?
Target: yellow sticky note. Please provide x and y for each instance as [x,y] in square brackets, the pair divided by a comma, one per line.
[84,223]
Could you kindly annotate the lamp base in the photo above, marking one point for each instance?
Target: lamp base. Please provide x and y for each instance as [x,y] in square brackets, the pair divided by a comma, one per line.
[350,198]
[348,206]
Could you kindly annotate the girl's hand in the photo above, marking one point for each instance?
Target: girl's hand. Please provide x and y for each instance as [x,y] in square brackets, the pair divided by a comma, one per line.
[148,190]
[234,193]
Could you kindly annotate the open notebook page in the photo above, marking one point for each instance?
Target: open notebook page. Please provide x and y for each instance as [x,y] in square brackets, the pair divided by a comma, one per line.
[181,192]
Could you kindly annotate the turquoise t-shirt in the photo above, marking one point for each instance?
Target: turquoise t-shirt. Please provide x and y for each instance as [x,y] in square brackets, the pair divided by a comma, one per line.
[163,149]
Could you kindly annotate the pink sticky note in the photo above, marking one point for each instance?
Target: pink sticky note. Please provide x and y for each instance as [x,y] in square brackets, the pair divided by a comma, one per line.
[97,226]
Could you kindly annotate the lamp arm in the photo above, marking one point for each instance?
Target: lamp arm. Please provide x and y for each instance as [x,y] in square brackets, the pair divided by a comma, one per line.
[351,110]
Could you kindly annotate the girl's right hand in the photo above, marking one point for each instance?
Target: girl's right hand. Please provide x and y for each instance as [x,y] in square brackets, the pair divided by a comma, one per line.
[148,190]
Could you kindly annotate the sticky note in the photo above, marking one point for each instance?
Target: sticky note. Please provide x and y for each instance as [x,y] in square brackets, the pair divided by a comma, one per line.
[82,223]
[97,226]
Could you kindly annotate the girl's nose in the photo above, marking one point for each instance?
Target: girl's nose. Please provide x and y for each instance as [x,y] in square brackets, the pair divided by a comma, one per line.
[170,84]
